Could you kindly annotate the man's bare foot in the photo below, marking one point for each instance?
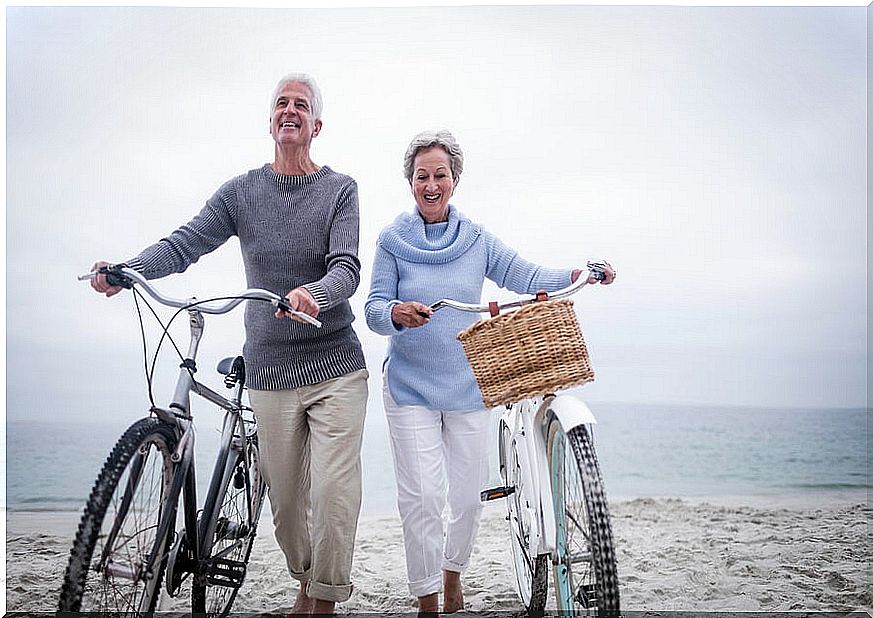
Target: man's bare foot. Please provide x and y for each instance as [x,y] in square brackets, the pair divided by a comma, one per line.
[323,608]
[429,604]
[303,604]
[453,595]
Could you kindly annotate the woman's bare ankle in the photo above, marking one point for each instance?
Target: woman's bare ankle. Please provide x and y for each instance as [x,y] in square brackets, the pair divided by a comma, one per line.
[453,594]
[429,604]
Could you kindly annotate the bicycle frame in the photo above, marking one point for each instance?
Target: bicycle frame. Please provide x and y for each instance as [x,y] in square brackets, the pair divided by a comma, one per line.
[177,414]
[530,446]
[527,421]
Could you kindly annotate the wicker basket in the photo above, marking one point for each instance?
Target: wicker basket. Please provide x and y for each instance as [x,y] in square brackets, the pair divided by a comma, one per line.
[533,351]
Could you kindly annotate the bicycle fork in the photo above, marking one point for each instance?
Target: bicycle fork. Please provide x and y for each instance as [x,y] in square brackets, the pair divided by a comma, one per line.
[181,459]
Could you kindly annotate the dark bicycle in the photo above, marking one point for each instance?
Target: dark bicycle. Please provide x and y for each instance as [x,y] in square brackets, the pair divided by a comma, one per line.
[127,540]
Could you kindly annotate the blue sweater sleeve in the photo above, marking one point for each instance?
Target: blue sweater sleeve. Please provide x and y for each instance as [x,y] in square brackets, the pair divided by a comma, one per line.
[509,270]
[383,294]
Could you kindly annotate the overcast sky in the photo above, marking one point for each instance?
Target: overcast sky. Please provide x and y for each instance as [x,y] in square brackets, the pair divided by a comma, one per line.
[716,156]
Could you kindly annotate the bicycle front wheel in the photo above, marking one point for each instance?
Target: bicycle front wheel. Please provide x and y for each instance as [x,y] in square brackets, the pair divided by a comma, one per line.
[585,574]
[531,571]
[117,560]
[237,510]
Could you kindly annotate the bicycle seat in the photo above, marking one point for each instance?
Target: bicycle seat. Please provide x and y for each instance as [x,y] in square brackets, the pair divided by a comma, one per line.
[233,368]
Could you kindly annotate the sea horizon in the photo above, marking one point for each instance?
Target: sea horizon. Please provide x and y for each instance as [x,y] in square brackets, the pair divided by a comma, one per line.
[644,450]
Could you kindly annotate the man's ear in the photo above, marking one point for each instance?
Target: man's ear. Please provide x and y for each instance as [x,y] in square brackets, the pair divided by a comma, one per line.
[317,128]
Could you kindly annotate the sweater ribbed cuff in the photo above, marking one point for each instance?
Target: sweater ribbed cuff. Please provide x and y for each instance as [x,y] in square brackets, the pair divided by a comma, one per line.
[387,323]
[135,264]
[318,293]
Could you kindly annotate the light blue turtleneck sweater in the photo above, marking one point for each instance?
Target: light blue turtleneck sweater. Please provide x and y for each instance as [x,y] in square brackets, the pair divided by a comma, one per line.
[427,262]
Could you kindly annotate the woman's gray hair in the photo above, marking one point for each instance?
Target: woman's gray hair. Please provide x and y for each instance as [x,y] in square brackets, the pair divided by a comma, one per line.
[308,81]
[428,139]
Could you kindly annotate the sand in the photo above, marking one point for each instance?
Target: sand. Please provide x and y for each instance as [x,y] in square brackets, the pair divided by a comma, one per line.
[725,555]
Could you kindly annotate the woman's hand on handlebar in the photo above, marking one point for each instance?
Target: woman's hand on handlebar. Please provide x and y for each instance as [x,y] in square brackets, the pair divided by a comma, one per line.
[411,314]
[99,282]
[300,300]
[608,275]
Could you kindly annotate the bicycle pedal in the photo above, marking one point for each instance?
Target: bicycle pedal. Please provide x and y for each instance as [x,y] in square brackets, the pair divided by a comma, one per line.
[224,572]
[586,595]
[495,493]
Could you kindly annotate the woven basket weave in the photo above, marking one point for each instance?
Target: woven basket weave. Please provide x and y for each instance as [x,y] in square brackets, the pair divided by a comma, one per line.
[533,351]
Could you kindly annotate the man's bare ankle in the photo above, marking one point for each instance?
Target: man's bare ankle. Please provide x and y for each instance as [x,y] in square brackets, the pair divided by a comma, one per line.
[321,607]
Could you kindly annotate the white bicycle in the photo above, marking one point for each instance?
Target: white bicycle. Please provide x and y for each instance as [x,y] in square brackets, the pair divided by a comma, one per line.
[556,503]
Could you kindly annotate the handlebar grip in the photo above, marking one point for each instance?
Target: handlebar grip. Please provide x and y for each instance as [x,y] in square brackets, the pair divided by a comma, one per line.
[114,276]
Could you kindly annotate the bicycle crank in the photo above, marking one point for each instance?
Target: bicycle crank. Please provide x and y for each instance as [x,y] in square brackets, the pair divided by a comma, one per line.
[179,565]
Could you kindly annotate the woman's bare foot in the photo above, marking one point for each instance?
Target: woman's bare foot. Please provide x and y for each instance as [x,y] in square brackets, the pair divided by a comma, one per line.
[429,604]
[453,595]
[303,604]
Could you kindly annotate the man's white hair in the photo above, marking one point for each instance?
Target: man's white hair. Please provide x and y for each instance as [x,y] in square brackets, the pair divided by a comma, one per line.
[308,81]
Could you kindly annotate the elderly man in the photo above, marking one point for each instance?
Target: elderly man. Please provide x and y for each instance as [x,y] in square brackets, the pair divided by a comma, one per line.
[297,224]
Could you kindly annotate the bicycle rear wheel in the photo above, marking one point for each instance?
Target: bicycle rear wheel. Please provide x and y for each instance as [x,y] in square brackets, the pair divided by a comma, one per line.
[585,574]
[117,560]
[236,513]
[531,571]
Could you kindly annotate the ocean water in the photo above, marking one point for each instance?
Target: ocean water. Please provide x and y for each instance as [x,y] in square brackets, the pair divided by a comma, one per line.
[644,450]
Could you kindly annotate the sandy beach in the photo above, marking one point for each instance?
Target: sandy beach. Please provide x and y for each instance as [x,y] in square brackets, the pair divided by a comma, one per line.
[725,554]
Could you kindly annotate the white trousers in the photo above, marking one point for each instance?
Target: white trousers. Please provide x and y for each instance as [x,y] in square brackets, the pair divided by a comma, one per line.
[441,465]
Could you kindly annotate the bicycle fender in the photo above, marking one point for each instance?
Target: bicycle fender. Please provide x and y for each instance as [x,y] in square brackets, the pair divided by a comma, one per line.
[571,412]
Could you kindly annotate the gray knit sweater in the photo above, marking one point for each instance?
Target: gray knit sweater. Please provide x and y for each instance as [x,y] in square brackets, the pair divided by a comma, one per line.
[293,231]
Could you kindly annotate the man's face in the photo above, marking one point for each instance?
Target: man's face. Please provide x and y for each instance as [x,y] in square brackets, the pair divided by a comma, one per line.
[292,121]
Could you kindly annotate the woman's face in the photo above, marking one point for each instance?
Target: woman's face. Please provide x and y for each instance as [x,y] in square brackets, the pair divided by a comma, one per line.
[432,183]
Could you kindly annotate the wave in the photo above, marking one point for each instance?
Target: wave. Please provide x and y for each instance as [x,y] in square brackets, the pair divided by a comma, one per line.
[825,486]
[45,508]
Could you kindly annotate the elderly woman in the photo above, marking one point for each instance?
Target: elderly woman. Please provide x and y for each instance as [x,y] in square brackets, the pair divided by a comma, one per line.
[297,225]
[437,423]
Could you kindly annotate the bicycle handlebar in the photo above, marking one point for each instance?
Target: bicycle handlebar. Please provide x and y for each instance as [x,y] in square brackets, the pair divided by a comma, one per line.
[595,270]
[126,277]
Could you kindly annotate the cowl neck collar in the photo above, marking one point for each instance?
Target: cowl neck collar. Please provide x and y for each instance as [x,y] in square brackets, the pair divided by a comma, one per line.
[406,238]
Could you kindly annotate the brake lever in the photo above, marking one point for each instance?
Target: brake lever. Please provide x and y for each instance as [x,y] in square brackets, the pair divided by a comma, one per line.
[598,270]
[281,304]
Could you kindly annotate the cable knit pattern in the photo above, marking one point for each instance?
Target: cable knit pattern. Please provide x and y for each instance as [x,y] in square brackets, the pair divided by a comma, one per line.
[293,231]
[427,262]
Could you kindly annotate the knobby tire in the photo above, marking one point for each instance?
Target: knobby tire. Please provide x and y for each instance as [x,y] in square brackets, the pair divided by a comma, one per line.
[120,586]
[590,586]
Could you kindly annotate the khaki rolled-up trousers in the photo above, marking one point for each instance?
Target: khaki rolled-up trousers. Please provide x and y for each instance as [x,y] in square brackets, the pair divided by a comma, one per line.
[310,441]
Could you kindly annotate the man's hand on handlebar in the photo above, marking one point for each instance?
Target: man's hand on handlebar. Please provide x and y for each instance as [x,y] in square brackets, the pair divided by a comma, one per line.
[99,282]
[411,314]
[300,300]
